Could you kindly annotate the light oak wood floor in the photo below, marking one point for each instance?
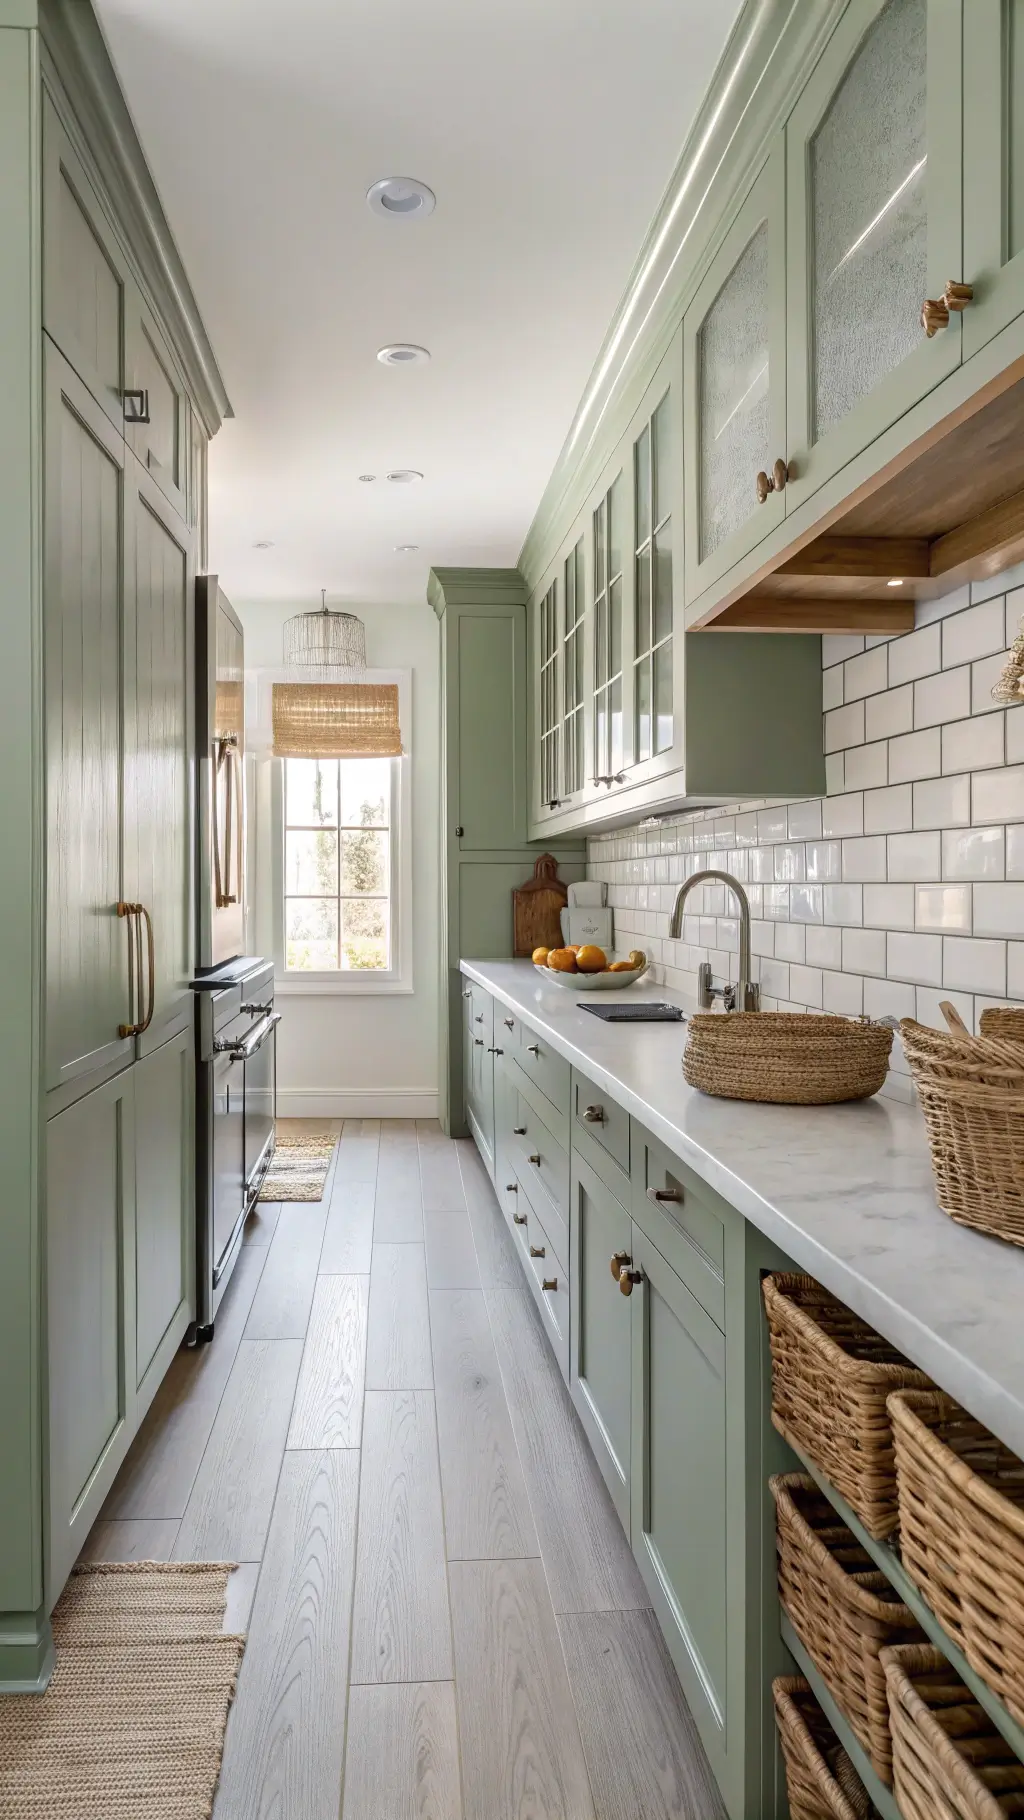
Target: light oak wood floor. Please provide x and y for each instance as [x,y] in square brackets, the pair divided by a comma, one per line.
[444,1618]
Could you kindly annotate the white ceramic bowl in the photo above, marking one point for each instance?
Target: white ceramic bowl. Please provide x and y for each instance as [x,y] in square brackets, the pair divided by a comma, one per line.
[596,982]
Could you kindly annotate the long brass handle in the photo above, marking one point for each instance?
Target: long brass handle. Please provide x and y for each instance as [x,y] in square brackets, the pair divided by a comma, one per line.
[660,1195]
[140,910]
[239,822]
[126,912]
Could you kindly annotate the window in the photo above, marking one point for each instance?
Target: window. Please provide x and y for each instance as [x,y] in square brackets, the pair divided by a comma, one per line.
[652,476]
[572,673]
[607,526]
[337,865]
[549,716]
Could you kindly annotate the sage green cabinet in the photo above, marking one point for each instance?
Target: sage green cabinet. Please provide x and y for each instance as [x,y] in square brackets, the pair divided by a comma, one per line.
[478,1069]
[164,1087]
[993,170]
[158,433]
[491,726]
[874,224]
[84,272]
[600,1329]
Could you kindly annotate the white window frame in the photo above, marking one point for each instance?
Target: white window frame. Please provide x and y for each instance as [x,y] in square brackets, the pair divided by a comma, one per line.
[269,820]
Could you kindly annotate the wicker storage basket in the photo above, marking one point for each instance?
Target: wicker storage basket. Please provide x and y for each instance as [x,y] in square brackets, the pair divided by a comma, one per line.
[821,1780]
[843,1610]
[971,1090]
[961,1495]
[949,1762]
[789,1058]
[831,1375]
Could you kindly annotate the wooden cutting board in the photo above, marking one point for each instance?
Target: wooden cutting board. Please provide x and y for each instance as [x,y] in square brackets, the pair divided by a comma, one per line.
[536,907]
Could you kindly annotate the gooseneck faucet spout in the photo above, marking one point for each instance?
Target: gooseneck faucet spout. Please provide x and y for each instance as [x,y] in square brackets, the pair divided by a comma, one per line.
[746,996]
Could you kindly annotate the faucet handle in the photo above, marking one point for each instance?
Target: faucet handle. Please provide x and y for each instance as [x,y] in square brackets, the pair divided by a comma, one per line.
[705,989]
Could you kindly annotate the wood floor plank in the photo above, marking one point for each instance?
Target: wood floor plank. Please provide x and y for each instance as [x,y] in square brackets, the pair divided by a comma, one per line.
[589,1563]
[398,1336]
[355,1159]
[159,1472]
[522,1758]
[402,1758]
[261,1225]
[398,1134]
[400,1627]
[486,1507]
[132,1539]
[440,1176]
[227,1516]
[451,1253]
[626,1691]
[496,1255]
[348,1235]
[284,1750]
[328,1408]
[398,1207]
[281,1306]
[239,1602]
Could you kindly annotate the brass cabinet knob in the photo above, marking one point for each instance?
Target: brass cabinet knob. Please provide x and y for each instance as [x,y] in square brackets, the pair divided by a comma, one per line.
[519,1130]
[479,1042]
[934,315]
[594,1115]
[519,1218]
[511,1187]
[537,1251]
[479,1018]
[619,1260]
[628,1279]
[659,1195]
[510,1023]
[549,1283]
[495,1051]
[774,482]
[468,992]
[535,1159]
[957,296]
[533,1048]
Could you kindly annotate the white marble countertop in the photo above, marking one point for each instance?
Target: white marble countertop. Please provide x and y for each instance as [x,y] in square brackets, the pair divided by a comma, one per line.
[845,1191]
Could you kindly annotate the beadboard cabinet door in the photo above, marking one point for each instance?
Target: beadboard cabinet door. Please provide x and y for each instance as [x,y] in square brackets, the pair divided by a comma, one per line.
[157,422]
[84,272]
[600,1339]
[993,168]
[491,774]
[874,229]
[165,1206]
[85,629]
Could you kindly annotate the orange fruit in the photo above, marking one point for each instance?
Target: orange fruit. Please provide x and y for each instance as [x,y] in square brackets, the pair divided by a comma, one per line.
[540,956]
[562,960]
[637,958]
[591,958]
[621,967]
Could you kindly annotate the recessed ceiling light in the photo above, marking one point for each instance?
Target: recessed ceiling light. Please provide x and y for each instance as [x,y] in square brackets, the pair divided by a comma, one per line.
[367,476]
[404,474]
[403,354]
[405,549]
[264,545]
[403,198]
[897,582]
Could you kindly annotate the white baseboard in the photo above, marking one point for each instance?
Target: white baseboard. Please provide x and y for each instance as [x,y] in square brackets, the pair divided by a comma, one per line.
[356,1103]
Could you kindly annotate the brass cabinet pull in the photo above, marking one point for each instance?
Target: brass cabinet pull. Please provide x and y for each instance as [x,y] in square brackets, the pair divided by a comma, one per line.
[479,1018]
[619,1260]
[127,912]
[594,1115]
[519,1218]
[533,1048]
[495,1051]
[549,1283]
[774,482]
[478,1042]
[467,992]
[511,1187]
[535,1159]
[519,1131]
[659,1195]
[628,1279]
[935,310]
[510,1023]
[537,1251]
[140,910]
[228,760]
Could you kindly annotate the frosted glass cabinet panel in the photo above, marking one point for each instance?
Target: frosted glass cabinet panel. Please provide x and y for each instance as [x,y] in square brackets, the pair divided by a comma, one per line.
[873,218]
[550,722]
[608,526]
[652,588]
[573,620]
[993,168]
[734,390]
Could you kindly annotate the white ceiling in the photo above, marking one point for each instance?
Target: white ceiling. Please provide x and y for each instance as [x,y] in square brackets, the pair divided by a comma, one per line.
[547,128]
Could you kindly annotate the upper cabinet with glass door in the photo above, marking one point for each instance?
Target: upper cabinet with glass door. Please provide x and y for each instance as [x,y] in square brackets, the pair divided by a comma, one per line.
[873,158]
[993,168]
[549,715]
[608,532]
[656,655]
[573,667]
[734,357]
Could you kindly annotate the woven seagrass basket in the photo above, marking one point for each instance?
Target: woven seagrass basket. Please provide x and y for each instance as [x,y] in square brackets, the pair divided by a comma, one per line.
[842,1608]
[820,1779]
[971,1090]
[831,1375]
[961,1499]
[786,1058]
[949,1762]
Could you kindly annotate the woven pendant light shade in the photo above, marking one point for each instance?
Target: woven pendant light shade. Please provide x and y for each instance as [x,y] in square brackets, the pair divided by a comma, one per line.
[321,644]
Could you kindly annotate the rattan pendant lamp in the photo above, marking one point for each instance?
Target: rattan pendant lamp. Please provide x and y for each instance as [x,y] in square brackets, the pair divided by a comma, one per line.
[328,646]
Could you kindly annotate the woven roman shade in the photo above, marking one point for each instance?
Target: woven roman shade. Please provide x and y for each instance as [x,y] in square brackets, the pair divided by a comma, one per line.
[336,720]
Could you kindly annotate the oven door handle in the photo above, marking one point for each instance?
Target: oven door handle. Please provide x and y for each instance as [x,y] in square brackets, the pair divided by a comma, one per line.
[246,1049]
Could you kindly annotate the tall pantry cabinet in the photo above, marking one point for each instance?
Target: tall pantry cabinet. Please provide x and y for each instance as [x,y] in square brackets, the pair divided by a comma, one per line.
[113,394]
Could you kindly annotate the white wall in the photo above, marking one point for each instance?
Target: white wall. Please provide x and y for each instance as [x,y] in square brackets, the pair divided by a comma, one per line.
[369,1056]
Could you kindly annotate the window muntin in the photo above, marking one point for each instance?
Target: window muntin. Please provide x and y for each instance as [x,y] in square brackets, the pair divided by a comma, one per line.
[338,865]
[652,667]
[608,548]
[574,614]
[549,715]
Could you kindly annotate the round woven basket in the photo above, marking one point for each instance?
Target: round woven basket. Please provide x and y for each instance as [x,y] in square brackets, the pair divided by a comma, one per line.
[786,1058]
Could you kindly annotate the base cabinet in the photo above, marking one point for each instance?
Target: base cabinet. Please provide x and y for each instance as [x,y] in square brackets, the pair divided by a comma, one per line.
[164,1207]
[600,1328]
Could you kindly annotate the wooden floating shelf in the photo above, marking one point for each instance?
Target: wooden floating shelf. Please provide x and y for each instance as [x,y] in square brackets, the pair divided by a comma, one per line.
[948,509]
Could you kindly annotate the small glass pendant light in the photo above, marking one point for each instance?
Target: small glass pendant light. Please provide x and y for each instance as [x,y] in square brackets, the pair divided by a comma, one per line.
[326,646]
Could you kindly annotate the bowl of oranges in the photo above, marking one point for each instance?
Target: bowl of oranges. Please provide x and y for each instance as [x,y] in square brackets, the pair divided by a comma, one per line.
[589,968]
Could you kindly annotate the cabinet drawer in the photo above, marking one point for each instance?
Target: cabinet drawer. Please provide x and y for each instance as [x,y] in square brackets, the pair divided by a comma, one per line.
[601,1118]
[481,1013]
[677,1211]
[550,1071]
[507,1027]
[547,1226]
[549,1275]
[539,1157]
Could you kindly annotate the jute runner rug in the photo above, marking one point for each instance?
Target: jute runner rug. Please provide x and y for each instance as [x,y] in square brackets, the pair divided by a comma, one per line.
[298,1170]
[132,1724]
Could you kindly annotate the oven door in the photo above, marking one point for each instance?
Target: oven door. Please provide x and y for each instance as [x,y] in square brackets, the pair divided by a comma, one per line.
[260,1103]
[228,1184]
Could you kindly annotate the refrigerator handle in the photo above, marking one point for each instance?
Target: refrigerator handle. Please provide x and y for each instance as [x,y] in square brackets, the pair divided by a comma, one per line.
[227,754]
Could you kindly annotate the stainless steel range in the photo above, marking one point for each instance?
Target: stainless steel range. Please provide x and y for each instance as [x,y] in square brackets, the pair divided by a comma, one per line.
[235,1108]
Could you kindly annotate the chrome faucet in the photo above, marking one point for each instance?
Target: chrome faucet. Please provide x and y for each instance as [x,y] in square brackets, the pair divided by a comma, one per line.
[745,995]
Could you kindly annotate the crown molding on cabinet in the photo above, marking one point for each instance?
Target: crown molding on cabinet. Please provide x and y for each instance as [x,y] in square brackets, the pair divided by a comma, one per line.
[474,588]
[108,146]
[772,46]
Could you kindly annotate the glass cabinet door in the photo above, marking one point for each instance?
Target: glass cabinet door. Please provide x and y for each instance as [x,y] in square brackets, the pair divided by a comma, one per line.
[993,168]
[734,352]
[873,152]
[547,698]
[608,524]
[573,619]
[652,587]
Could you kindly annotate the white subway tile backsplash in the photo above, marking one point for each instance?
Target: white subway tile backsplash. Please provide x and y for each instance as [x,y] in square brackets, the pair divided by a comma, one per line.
[775,901]
[790,942]
[824,860]
[889,906]
[843,904]
[832,688]
[999,910]
[824,946]
[805,985]
[942,802]
[790,864]
[928,1003]
[864,858]
[889,998]
[842,815]
[943,697]
[867,674]
[746,830]
[1015,851]
[975,633]
[843,993]
[914,856]
[916,654]
[915,755]
[914,957]
[773,823]
[944,907]
[973,745]
[1013,721]
[983,675]
[762,937]
[844,727]
[806,903]
[835,773]
[998,796]
[974,966]
[888,811]
[1015,969]
[836,647]
[864,951]
[774,978]
[867,767]
[973,853]
[890,713]
[926,612]
[805,820]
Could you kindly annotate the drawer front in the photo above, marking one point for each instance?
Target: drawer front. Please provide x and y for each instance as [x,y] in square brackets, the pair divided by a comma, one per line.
[481,1014]
[601,1118]
[548,1070]
[507,1027]
[678,1212]
[547,1226]
[539,1156]
[549,1274]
